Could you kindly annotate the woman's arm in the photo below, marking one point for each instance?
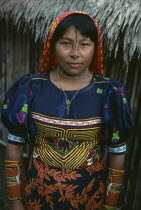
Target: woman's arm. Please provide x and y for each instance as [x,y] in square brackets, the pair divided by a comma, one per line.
[14,153]
[116,161]
[115,179]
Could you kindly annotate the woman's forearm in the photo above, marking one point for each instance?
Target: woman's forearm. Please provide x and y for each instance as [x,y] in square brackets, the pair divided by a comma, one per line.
[14,154]
[115,180]
[116,161]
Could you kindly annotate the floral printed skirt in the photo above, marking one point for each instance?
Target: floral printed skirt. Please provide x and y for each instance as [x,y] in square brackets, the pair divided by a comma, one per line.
[48,188]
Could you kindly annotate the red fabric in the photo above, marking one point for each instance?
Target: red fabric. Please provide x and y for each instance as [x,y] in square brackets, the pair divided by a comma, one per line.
[48,61]
[11,172]
[112,199]
[13,191]
[116,179]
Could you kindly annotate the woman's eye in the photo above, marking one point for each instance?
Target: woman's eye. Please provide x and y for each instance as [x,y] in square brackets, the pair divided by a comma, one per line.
[65,43]
[84,44]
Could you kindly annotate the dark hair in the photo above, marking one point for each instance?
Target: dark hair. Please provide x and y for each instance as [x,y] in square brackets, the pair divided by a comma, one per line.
[82,22]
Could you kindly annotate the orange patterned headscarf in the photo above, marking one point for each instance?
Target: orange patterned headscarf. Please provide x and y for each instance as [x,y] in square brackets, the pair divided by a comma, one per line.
[49,61]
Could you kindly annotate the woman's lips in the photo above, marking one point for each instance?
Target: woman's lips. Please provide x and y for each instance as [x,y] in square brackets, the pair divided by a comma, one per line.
[74,65]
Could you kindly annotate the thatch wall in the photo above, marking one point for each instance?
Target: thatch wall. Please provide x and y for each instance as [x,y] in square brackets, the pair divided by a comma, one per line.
[19,55]
[22,32]
[114,17]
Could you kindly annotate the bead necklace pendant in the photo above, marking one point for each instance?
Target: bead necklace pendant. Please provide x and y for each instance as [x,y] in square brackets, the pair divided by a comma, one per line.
[68,103]
[68,109]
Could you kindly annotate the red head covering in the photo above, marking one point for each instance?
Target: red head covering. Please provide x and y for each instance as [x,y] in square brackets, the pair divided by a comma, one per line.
[49,61]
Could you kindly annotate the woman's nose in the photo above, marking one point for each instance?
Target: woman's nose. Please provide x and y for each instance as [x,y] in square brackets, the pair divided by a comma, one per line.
[75,51]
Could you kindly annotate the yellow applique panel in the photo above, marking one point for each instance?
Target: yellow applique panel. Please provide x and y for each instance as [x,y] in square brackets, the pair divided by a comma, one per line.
[72,160]
[88,138]
[81,134]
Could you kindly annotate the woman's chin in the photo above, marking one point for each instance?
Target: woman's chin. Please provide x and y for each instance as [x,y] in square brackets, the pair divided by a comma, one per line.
[73,72]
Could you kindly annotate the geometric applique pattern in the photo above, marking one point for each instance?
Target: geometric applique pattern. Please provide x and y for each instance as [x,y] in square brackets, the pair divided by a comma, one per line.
[16,138]
[67,144]
[117,149]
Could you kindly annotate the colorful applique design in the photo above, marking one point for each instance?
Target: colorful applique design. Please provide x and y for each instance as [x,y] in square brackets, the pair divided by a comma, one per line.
[5,106]
[66,171]
[121,91]
[63,147]
[124,100]
[58,188]
[99,90]
[115,136]
[21,117]
[105,106]
[114,88]
[25,108]
[72,140]
[106,78]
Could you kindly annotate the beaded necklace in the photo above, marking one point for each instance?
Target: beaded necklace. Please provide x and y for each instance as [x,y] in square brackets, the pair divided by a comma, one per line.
[68,102]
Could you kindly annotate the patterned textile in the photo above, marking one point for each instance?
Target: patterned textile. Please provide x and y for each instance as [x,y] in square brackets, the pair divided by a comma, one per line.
[107,98]
[54,188]
[66,168]
[118,149]
[68,147]
[13,138]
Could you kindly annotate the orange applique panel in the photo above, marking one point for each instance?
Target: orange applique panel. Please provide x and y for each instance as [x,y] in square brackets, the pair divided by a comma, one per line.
[95,167]
[36,205]
[69,189]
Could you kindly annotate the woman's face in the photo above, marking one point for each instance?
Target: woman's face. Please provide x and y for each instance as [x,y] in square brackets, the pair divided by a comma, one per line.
[74,52]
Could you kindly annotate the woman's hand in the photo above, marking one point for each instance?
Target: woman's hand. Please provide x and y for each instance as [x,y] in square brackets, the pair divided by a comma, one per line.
[16,205]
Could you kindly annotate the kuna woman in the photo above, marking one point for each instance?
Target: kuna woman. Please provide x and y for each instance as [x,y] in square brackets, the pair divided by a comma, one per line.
[70,114]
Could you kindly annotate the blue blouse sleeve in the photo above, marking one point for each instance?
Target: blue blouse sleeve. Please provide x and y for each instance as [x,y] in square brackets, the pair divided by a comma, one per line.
[117,118]
[16,114]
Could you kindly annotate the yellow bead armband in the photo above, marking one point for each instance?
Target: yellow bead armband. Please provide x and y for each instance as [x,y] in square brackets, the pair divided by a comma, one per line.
[114,186]
[13,179]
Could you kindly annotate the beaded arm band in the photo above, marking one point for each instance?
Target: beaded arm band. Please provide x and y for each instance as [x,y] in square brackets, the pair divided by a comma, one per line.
[114,185]
[13,172]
